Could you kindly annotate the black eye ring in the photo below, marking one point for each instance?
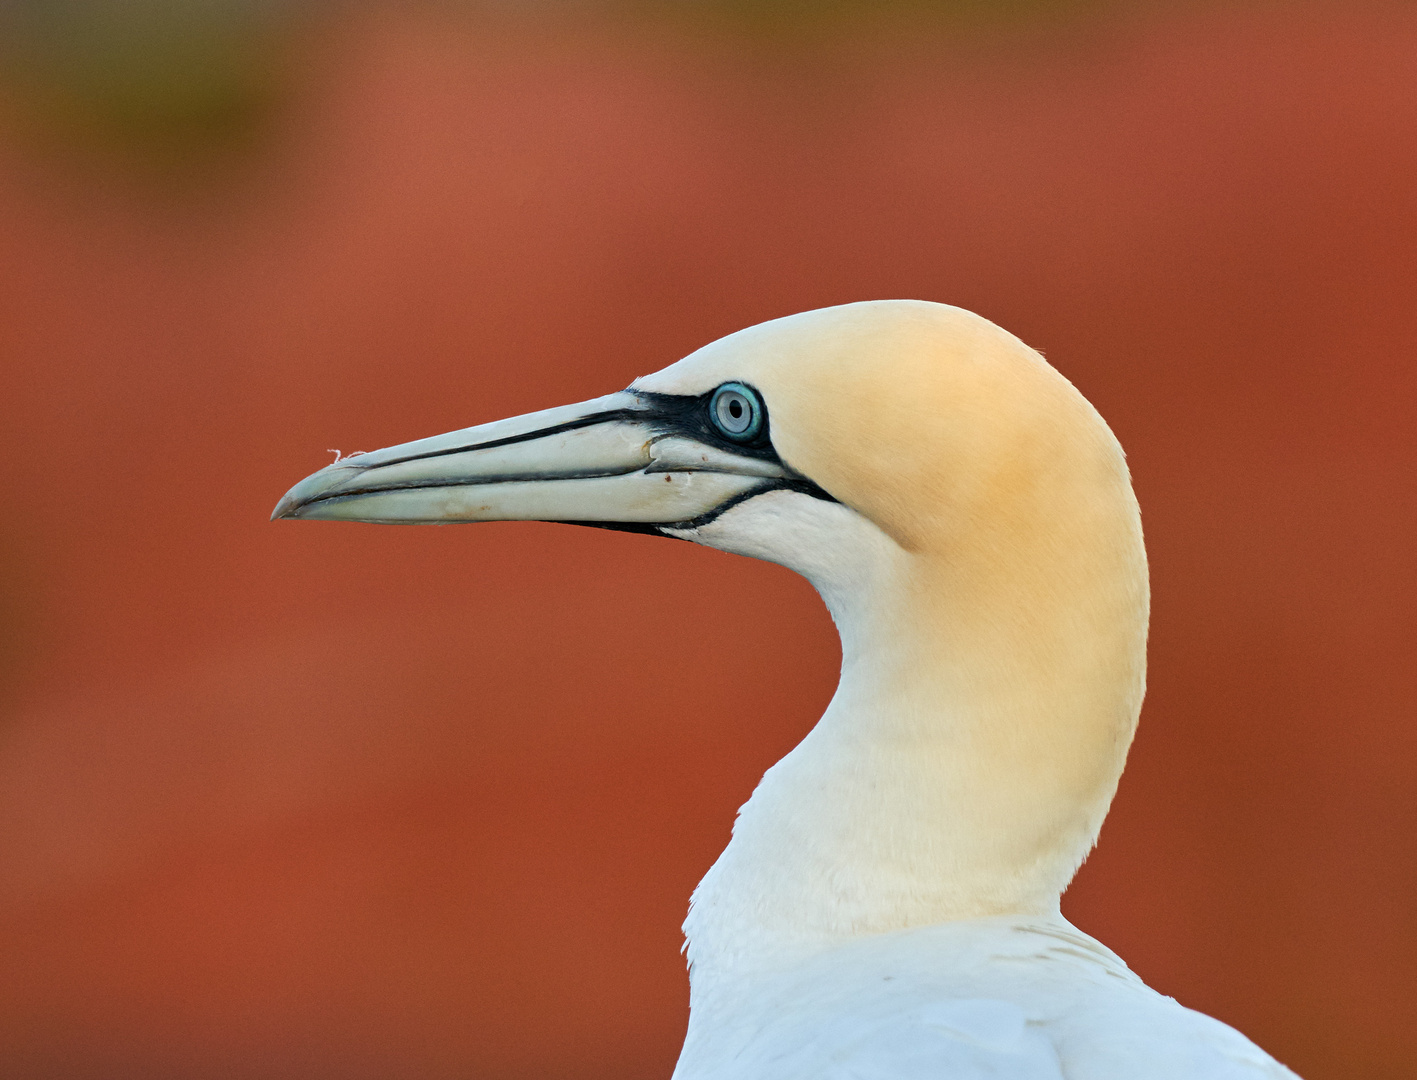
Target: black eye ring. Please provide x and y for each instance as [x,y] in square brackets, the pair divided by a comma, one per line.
[737,412]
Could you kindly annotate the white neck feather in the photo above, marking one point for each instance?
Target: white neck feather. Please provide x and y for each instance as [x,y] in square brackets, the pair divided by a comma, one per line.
[964,765]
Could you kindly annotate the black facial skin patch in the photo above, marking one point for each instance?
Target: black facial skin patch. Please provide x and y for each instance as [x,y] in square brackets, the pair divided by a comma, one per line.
[688,416]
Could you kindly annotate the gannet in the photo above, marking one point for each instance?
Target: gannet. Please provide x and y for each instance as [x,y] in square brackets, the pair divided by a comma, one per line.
[888,905]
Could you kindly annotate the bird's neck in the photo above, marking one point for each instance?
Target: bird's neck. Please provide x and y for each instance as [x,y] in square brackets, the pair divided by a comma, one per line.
[962,769]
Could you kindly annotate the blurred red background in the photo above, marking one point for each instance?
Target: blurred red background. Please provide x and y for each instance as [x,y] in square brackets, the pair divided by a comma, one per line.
[321,800]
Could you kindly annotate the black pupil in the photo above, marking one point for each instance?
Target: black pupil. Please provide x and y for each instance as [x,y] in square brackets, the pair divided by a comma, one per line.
[735,408]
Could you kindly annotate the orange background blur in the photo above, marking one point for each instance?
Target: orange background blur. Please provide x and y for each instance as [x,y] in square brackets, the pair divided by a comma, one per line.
[341,801]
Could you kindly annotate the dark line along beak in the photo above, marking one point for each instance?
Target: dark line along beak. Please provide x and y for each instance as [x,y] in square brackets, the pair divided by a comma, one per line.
[631,458]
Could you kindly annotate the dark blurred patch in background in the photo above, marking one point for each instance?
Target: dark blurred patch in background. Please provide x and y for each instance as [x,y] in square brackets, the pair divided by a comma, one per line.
[162,81]
[328,801]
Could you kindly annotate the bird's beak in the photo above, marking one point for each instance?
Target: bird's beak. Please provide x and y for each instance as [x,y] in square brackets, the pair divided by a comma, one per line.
[627,460]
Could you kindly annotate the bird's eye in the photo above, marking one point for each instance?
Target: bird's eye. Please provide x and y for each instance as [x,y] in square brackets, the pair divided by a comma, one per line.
[737,412]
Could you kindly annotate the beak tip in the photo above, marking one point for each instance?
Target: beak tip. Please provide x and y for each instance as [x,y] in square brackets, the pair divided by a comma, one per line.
[286,508]
[295,502]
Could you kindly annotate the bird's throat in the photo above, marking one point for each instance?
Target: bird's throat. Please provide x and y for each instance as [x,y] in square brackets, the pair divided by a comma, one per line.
[962,769]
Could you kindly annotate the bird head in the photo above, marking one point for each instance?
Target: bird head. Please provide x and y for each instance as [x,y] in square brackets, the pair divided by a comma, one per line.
[932,425]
